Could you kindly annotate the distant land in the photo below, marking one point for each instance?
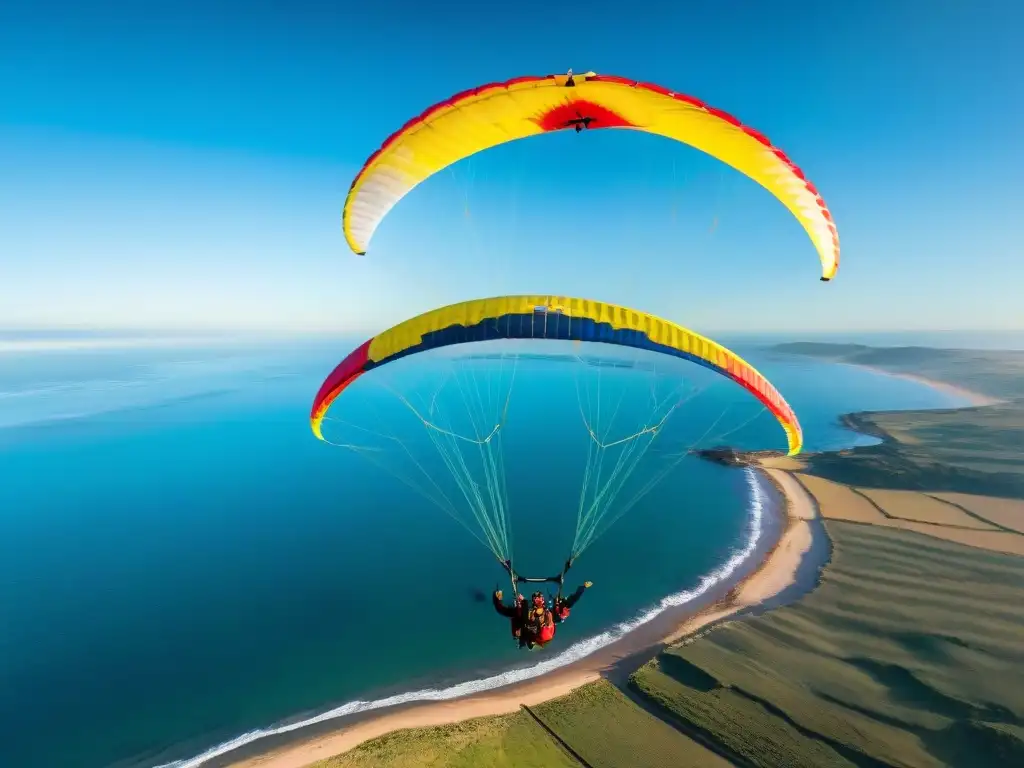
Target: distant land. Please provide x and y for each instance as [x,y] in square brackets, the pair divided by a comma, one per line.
[969,450]
[996,373]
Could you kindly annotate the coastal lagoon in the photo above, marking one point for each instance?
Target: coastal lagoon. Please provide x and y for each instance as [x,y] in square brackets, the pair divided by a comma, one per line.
[182,562]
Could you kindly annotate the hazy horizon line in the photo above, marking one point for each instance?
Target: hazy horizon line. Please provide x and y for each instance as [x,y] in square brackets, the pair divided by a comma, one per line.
[24,341]
[126,331]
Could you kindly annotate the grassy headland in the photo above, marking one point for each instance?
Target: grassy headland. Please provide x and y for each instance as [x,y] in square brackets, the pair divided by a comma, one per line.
[967,450]
[996,373]
[908,654]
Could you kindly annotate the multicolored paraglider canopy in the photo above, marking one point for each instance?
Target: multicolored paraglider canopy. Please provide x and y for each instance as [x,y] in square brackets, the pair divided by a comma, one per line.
[555,318]
[493,114]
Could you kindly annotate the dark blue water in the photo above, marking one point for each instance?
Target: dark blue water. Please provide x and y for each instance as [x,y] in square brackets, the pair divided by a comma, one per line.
[180,561]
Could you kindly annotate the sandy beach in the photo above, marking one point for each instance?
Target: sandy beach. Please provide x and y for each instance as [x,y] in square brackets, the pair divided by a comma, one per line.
[779,569]
[776,572]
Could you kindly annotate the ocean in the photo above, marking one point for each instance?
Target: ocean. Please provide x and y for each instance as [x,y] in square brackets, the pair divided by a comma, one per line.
[181,562]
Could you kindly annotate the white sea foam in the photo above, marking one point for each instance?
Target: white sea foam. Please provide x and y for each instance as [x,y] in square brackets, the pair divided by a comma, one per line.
[573,653]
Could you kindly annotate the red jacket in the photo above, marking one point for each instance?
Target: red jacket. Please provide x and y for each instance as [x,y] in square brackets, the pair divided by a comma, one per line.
[547,633]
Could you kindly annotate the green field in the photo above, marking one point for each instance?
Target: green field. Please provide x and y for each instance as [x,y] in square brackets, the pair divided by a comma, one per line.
[597,721]
[910,653]
[505,741]
[608,730]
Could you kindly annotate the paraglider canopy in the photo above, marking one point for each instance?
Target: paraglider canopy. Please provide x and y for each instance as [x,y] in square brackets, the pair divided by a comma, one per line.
[550,317]
[480,502]
[496,113]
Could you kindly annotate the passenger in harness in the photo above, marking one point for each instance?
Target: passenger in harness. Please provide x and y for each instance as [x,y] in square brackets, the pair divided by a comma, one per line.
[563,605]
[539,627]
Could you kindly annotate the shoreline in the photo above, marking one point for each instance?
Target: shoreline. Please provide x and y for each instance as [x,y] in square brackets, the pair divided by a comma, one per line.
[974,399]
[771,566]
[777,573]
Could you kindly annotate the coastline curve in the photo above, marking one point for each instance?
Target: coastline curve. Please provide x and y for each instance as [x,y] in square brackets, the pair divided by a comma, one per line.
[758,501]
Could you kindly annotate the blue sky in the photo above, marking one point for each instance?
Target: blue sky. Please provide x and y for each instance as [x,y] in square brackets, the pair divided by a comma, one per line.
[183,165]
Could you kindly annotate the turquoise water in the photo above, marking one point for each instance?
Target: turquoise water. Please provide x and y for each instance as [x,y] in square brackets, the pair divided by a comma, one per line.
[181,562]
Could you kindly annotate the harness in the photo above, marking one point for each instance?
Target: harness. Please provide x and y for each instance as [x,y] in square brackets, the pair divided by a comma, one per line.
[530,621]
[534,621]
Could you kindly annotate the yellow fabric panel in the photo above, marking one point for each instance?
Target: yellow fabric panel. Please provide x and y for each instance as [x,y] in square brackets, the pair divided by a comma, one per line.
[501,113]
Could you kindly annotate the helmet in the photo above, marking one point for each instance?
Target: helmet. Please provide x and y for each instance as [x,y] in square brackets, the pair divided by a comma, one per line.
[538,600]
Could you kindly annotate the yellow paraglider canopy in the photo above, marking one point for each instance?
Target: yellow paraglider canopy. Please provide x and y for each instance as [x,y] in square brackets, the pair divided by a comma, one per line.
[494,114]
